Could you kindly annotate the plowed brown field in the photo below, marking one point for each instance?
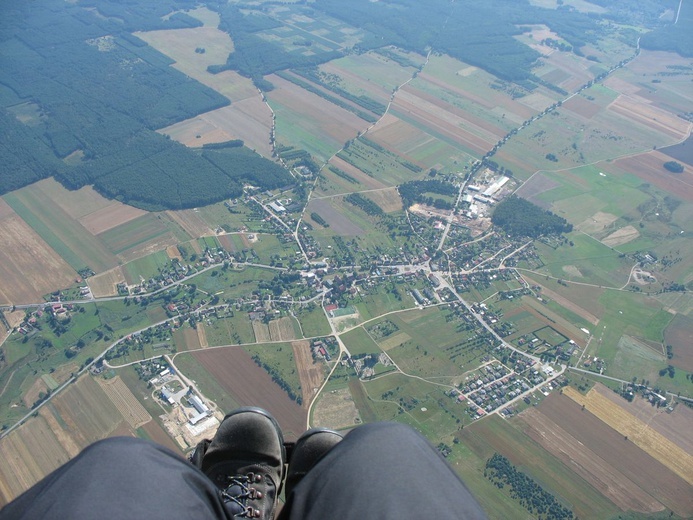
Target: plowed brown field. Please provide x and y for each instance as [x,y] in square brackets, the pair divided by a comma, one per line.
[609,446]
[250,385]
[639,433]
[310,373]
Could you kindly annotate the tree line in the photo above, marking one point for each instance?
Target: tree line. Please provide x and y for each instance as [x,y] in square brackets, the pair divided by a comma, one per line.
[531,495]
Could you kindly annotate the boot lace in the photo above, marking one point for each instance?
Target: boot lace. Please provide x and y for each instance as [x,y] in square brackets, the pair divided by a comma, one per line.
[239,491]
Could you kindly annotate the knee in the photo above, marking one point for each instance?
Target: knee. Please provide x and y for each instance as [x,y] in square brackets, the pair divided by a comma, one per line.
[122,448]
[388,431]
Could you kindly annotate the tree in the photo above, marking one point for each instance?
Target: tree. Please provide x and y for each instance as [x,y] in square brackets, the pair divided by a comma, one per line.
[673,166]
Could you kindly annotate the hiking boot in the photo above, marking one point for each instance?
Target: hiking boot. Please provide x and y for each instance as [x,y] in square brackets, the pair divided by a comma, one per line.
[245,460]
[310,447]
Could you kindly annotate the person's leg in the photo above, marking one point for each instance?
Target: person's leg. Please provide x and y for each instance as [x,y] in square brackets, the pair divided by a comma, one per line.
[381,470]
[121,477]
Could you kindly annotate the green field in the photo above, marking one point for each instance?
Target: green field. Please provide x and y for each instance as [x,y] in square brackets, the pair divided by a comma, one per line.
[134,233]
[596,263]
[278,360]
[234,219]
[641,318]
[438,347]
[146,267]
[484,438]
[232,330]
[423,405]
[359,342]
[382,298]
[313,321]
[371,68]
[301,131]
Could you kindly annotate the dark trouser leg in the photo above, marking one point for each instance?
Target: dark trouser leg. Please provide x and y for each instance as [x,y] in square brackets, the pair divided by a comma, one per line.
[381,471]
[123,478]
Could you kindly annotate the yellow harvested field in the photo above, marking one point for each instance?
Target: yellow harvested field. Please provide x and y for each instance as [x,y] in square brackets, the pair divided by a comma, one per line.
[621,236]
[76,203]
[125,401]
[335,410]
[249,120]
[310,373]
[282,329]
[388,199]
[173,253]
[590,466]
[638,432]
[394,341]
[261,331]
[202,335]
[28,454]
[597,222]
[29,267]
[105,284]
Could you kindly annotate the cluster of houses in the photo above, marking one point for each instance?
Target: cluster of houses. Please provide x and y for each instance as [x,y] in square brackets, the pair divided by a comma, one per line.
[493,386]
[176,271]
[58,310]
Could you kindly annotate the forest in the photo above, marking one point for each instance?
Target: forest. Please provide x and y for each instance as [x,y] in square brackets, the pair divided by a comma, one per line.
[92,96]
[520,217]
[255,57]
[478,33]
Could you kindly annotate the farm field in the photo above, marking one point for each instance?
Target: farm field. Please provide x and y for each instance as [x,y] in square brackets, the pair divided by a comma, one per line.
[249,120]
[29,267]
[672,424]
[336,410]
[234,370]
[311,373]
[667,70]
[679,334]
[80,416]
[643,436]
[180,45]
[309,122]
[648,167]
[143,235]
[600,454]
[495,435]
[67,237]
[418,144]
[616,287]
[373,74]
